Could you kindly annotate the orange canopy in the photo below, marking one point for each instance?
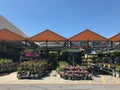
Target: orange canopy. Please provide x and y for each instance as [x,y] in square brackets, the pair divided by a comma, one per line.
[87,35]
[47,35]
[115,37]
[7,35]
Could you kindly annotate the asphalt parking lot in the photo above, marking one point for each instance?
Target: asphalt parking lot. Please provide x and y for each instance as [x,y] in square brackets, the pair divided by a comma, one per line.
[52,79]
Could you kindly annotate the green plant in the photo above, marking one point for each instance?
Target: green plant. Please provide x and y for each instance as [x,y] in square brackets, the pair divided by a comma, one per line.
[62,64]
[5,61]
[7,65]
[117,68]
[58,69]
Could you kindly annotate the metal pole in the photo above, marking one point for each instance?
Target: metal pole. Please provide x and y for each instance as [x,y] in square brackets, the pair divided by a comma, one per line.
[119,73]
[20,58]
[46,49]
[73,61]
[57,58]
[3,45]
[57,54]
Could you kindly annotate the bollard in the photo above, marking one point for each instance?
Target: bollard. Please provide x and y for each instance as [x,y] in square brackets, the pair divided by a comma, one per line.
[114,73]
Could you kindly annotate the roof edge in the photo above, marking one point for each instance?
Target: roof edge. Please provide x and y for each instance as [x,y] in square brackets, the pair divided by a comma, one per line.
[85,31]
[13,33]
[45,31]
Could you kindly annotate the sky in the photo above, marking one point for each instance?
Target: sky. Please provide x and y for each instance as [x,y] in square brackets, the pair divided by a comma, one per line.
[64,17]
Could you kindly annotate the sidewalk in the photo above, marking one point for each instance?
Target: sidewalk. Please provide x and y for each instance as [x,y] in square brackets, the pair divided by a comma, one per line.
[55,79]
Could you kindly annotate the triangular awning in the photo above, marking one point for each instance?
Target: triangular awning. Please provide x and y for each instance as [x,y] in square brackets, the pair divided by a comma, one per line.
[7,35]
[115,37]
[4,23]
[87,35]
[47,35]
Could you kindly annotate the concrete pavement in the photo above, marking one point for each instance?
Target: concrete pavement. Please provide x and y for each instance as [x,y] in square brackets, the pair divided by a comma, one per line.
[58,87]
[55,79]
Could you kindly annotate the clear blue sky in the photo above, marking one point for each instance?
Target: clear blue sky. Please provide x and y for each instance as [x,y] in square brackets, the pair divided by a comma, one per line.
[65,17]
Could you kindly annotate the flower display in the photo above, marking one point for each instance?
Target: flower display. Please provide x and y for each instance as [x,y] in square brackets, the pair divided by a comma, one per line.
[75,73]
[33,69]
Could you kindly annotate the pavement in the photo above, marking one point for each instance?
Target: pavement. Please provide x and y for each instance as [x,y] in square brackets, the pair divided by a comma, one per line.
[58,87]
[54,78]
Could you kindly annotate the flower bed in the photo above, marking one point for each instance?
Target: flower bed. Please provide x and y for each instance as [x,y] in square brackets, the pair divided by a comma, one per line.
[75,73]
[34,69]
